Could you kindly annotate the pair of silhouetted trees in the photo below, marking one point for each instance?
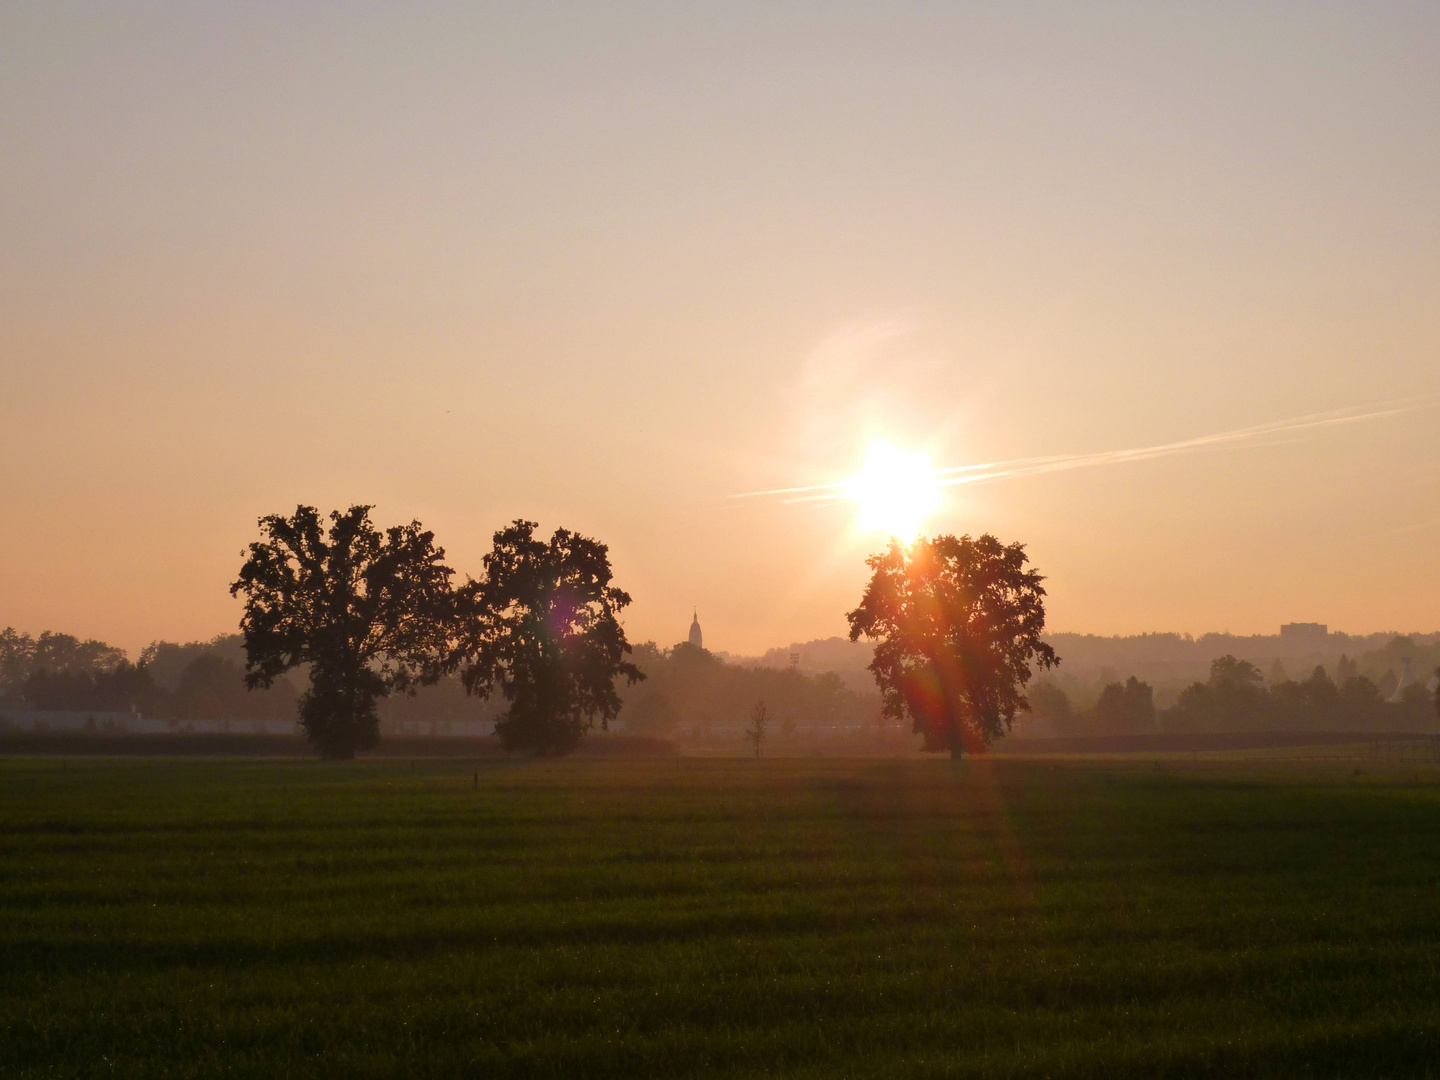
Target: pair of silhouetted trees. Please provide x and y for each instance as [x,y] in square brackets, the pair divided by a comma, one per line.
[372,613]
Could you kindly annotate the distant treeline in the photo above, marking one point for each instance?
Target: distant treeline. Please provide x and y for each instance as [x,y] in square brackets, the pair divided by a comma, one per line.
[194,681]
[1168,662]
[690,693]
[1172,662]
[1095,650]
[693,695]
[1237,697]
[1383,664]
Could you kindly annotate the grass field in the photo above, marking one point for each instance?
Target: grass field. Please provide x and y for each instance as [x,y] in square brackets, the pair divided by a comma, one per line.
[705,917]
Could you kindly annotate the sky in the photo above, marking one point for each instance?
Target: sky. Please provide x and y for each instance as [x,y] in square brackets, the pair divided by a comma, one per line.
[609,266]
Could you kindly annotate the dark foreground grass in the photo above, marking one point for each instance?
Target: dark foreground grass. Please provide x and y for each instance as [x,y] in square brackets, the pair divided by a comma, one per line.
[699,917]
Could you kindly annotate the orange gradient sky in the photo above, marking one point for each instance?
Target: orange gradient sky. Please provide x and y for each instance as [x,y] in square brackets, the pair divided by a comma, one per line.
[609,268]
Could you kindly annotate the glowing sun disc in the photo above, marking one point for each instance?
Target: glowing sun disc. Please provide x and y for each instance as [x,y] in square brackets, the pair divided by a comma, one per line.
[895,490]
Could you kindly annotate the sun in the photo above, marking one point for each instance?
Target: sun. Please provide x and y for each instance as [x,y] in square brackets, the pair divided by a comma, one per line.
[895,490]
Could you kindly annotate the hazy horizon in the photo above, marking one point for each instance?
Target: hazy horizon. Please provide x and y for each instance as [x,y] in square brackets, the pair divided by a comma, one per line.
[731,655]
[607,270]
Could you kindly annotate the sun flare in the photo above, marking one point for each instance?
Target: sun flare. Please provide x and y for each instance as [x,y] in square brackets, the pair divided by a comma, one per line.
[895,490]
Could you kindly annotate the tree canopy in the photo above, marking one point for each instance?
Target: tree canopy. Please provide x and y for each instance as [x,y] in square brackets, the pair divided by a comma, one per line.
[957,622]
[542,627]
[1127,708]
[22,657]
[369,612]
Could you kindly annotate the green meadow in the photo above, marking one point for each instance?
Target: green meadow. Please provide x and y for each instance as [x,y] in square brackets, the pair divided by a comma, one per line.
[706,917]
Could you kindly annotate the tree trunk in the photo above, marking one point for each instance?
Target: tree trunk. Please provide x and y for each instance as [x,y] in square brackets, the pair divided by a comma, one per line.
[957,745]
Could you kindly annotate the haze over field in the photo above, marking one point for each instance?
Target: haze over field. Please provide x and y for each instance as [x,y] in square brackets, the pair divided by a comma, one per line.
[609,269]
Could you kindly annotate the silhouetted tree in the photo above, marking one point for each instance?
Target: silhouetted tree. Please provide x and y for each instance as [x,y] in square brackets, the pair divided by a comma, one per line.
[119,689]
[210,688]
[370,612]
[1126,707]
[1229,673]
[1414,707]
[957,624]
[759,719]
[542,628]
[1232,699]
[16,649]
[1361,705]
[1110,708]
[52,655]
[1049,702]
[1321,696]
[205,680]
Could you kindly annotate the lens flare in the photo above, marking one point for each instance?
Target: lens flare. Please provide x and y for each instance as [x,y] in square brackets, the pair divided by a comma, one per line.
[895,490]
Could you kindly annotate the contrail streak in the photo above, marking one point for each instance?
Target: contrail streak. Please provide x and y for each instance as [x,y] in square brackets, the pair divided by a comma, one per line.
[988,472]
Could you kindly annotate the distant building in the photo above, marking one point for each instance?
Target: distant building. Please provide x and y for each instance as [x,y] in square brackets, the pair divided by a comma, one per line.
[1304,633]
[695,636]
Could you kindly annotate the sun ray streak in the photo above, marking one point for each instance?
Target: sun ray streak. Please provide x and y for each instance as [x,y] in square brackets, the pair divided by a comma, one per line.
[1271,433]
